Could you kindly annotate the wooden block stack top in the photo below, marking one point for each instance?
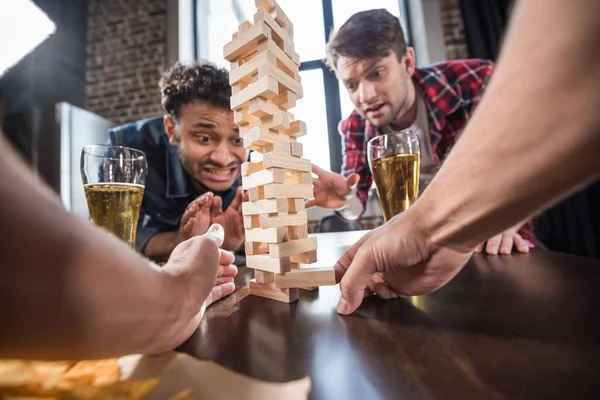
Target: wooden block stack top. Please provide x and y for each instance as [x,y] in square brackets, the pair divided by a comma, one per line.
[266,83]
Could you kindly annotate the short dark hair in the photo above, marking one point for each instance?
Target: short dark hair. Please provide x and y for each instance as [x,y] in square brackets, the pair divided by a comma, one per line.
[185,83]
[367,35]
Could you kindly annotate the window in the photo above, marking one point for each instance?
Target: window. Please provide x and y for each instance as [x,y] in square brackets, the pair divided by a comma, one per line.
[325,102]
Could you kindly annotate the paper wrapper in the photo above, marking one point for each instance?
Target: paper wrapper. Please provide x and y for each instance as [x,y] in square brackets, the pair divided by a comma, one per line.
[206,379]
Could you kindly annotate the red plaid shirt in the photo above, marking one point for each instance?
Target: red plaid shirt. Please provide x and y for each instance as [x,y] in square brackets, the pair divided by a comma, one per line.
[451,90]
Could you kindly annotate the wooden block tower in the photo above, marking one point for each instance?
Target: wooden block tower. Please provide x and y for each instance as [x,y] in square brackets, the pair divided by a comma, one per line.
[265,83]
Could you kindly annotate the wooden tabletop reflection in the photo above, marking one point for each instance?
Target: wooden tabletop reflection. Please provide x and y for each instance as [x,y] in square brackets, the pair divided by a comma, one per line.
[524,326]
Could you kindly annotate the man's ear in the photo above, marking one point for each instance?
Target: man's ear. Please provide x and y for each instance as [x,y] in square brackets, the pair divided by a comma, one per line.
[170,130]
[409,61]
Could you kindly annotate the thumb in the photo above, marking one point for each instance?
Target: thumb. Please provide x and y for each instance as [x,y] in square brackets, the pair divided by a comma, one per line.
[352,180]
[356,280]
[216,234]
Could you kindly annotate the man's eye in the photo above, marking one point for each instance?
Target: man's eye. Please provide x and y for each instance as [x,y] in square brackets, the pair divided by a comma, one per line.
[351,87]
[238,141]
[203,139]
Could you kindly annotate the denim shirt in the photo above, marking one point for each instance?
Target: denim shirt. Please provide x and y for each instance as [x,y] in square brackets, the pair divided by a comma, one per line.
[169,188]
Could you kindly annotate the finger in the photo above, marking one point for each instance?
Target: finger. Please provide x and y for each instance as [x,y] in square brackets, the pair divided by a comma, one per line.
[216,209]
[341,266]
[237,200]
[188,213]
[521,244]
[479,247]
[224,279]
[493,244]
[216,234]
[310,203]
[227,270]
[352,180]
[506,245]
[355,281]
[220,291]
[318,171]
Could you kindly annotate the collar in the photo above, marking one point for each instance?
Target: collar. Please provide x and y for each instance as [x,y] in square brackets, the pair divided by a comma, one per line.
[177,179]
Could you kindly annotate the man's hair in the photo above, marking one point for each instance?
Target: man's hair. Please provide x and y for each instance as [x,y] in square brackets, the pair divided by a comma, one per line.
[198,81]
[367,35]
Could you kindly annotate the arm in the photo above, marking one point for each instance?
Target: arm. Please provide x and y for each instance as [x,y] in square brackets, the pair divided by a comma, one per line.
[69,290]
[160,246]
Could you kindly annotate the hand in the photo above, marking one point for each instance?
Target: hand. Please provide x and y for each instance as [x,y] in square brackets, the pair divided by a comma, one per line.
[503,243]
[193,268]
[196,218]
[231,220]
[331,189]
[395,259]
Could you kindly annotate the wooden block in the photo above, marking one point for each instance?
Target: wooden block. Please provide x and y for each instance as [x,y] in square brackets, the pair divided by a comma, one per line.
[256,248]
[280,147]
[306,277]
[263,276]
[298,232]
[296,129]
[284,100]
[305,258]
[259,137]
[268,5]
[252,167]
[286,82]
[277,32]
[276,220]
[294,266]
[246,41]
[256,157]
[292,247]
[271,175]
[297,149]
[262,109]
[269,291]
[242,117]
[251,221]
[280,160]
[244,26]
[284,61]
[245,71]
[266,87]
[302,178]
[271,235]
[269,206]
[287,190]
[256,193]
[282,19]
[269,264]
[235,89]
[277,122]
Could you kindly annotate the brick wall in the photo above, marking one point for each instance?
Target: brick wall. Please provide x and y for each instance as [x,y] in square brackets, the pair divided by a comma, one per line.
[126,51]
[454,30]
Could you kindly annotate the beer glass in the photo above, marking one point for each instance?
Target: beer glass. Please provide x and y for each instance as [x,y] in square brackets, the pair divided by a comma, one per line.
[395,161]
[113,181]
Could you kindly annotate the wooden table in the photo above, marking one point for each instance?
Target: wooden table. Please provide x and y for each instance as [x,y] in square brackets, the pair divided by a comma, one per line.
[507,327]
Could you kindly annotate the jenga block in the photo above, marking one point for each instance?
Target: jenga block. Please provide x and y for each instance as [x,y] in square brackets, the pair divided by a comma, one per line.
[305,258]
[302,178]
[287,190]
[251,221]
[298,232]
[242,117]
[269,291]
[280,160]
[263,276]
[294,266]
[272,206]
[260,137]
[277,32]
[266,263]
[276,220]
[246,41]
[277,122]
[306,277]
[256,157]
[245,71]
[252,167]
[297,149]
[256,248]
[292,247]
[296,129]
[285,81]
[262,109]
[256,193]
[284,100]
[282,19]
[284,61]
[268,5]
[271,175]
[266,87]
[271,235]
[280,147]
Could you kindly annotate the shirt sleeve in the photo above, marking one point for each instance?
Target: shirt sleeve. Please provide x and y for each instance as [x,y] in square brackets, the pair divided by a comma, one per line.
[355,158]
[145,230]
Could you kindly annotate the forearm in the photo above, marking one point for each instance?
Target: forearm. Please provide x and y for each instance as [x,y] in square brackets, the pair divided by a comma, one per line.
[161,245]
[67,289]
[535,135]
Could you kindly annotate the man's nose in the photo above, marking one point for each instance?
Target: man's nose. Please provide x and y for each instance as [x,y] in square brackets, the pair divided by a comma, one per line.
[221,155]
[366,92]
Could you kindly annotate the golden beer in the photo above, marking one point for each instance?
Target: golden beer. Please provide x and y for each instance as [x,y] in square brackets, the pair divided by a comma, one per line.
[397,180]
[115,207]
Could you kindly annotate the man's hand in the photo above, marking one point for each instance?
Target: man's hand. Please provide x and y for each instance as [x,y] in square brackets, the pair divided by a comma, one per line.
[395,259]
[196,218]
[504,242]
[194,266]
[231,220]
[331,189]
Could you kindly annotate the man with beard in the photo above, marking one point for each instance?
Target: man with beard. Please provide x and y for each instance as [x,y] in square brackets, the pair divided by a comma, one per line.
[370,56]
[194,156]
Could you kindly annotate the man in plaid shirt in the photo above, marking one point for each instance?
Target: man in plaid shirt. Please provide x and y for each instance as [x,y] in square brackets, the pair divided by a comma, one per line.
[369,54]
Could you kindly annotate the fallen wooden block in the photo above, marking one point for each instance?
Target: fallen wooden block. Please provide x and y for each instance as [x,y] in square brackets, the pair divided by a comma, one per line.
[269,291]
[292,247]
[266,263]
[306,277]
